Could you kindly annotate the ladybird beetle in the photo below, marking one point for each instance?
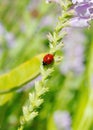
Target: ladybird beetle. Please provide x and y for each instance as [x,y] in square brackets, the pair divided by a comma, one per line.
[48,59]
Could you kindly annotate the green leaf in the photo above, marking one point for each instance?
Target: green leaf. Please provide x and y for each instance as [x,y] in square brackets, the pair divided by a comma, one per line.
[20,75]
[5,97]
[51,124]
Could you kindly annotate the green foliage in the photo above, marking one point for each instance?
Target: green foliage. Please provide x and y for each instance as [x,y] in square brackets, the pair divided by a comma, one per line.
[5,97]
[70,92]
[19,76]
[35,100]
[84,115]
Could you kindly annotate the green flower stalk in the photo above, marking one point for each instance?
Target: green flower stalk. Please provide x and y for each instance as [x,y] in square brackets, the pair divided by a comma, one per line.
[55,42]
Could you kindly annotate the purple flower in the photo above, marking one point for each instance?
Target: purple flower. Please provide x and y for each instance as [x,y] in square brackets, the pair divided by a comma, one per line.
[7,36]
[79,1]
[83,13]
[62,120]
[10,39]
[2,30]
[73,52]
[77,22]
[33,4]
[47,21]
[84,10]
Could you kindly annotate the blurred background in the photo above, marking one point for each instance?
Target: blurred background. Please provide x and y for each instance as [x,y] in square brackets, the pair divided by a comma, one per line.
[68,105]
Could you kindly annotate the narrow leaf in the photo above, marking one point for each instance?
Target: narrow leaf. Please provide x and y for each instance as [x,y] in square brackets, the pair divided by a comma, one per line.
[20,75]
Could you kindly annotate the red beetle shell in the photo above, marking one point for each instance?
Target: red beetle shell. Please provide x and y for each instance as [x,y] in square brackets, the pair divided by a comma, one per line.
[48,59]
